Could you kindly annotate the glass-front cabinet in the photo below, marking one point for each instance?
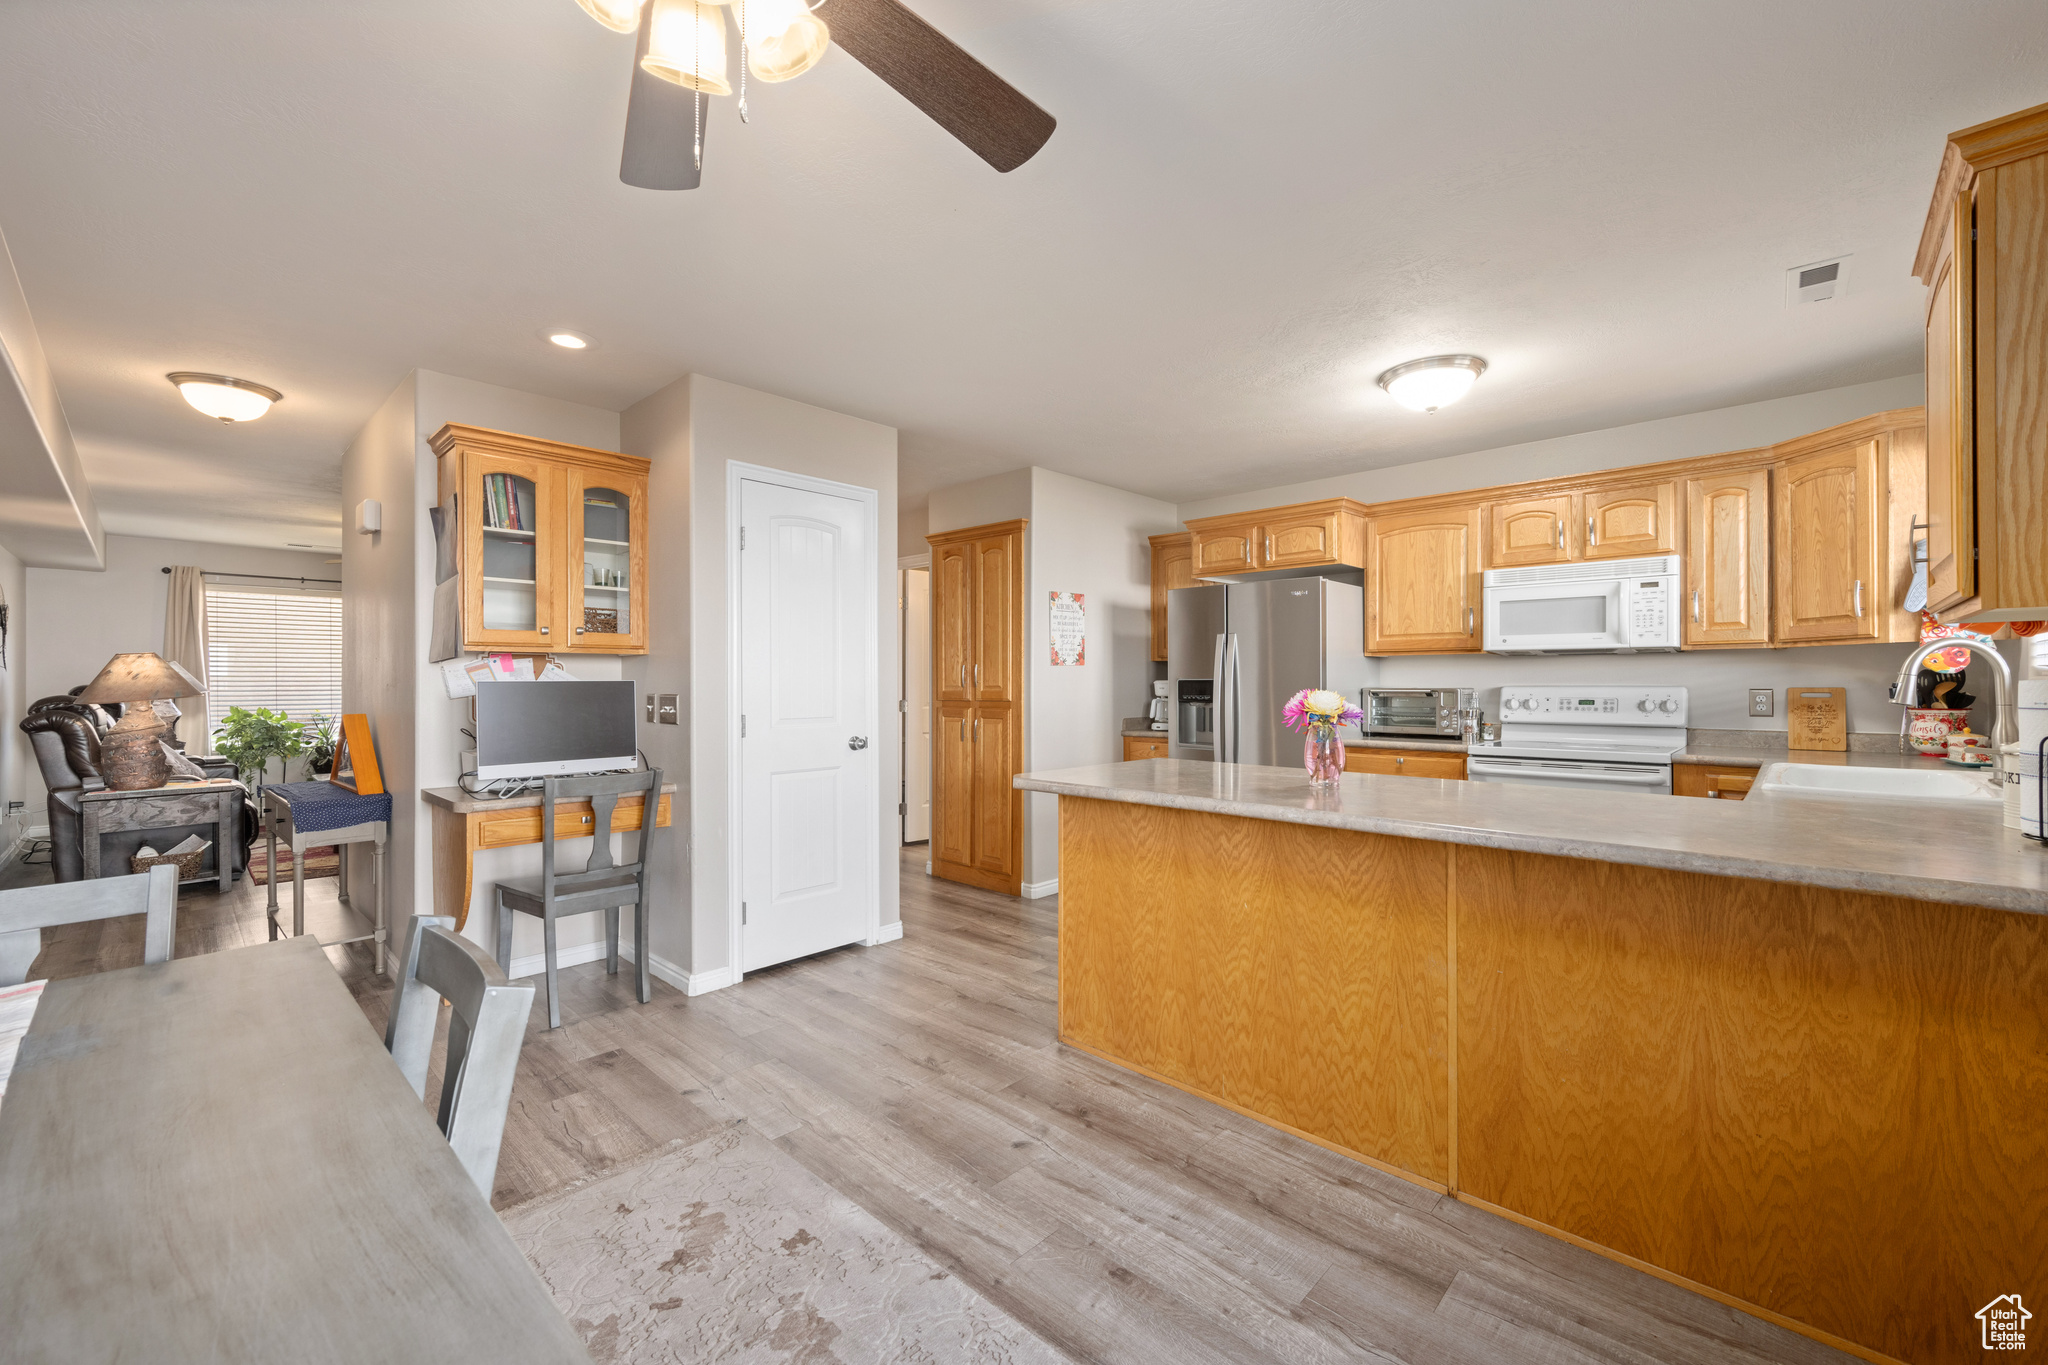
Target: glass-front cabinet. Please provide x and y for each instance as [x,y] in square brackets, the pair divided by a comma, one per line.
[550,543]
[608,553]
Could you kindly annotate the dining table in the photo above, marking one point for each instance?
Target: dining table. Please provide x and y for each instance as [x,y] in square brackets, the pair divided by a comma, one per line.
[214,1159]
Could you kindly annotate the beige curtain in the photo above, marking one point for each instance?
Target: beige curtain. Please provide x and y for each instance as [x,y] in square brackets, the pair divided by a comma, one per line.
[185,644]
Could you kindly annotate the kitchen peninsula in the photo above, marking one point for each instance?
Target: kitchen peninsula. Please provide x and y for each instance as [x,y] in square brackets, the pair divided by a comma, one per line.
[1790,1053]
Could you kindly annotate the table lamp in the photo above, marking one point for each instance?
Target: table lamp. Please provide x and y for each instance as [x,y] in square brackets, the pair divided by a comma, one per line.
[132,754]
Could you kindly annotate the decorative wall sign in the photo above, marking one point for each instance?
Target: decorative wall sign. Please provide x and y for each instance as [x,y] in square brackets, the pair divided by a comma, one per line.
[1069,629]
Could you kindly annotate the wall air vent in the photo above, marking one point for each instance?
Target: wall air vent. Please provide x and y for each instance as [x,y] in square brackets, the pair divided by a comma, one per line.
[1817,283]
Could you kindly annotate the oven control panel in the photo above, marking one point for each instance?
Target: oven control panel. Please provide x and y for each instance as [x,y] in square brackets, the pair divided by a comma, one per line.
[1661,706]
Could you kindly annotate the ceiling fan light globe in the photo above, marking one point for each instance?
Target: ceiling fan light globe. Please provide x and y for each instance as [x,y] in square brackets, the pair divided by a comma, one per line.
[620,16]
[686,46]
[1435,382]
[791,52]
[223,398]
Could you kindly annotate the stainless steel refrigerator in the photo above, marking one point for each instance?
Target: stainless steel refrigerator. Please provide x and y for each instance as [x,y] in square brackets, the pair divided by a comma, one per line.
[1236,652]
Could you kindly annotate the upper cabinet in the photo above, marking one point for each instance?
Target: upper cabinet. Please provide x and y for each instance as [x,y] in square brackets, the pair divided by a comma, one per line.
[1533,530]
[1843,503]
[1422,582]
[1984,257]
[1728,558]
[1173,566]
[1624,521]
[1309,535]
[551,545]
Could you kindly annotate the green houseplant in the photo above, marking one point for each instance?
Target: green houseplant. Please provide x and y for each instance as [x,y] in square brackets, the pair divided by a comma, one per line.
[252,738]
[319,729]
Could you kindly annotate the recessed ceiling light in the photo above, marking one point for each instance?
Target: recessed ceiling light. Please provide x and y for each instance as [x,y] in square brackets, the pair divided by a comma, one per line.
[230,400]
[1433,382]
[570,341]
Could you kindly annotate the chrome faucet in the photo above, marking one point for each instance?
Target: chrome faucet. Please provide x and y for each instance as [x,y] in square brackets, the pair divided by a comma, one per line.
[2005,725]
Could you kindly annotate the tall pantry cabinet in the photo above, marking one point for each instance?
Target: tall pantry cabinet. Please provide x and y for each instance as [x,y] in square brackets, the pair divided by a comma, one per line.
[978,694]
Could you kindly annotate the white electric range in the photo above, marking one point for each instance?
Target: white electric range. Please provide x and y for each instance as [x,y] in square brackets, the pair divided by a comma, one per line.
[1589,738]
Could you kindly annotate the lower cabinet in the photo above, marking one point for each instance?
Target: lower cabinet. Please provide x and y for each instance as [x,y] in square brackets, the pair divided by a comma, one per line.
[977,828]
[1708,779]
[1406,763]
[1144,748]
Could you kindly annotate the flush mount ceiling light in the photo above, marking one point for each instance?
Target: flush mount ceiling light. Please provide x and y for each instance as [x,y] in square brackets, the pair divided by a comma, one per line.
[1433,382]
[219,396]
[569,341]
[683,61]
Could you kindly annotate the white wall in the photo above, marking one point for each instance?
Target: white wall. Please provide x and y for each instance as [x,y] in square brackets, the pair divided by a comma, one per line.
[1088,538]
[19,778]
[1670,438]
[726,423]
[979,502]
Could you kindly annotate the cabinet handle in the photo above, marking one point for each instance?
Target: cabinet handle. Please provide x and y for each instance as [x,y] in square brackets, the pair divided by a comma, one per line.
[977,675]
[1859,597]
[1269,549]
[1399,761]
[963,681]
[1592,537]
[543,630]
[1560,533]
[579,630]
[1468,620]
[977,729]
[1695,606]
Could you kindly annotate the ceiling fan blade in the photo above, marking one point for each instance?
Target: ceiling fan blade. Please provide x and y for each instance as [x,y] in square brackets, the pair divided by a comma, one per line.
[661,126]
[927,68]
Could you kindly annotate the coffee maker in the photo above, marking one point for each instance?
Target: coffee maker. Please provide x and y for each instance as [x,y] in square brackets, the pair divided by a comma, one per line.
[1159,705]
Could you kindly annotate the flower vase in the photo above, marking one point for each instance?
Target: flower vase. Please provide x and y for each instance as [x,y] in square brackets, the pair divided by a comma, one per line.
[1322,753]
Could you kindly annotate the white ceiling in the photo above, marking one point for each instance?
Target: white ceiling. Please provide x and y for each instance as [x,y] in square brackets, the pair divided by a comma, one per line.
[1248,211]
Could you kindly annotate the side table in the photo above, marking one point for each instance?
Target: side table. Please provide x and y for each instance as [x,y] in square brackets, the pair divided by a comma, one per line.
[314,815]
[203,803]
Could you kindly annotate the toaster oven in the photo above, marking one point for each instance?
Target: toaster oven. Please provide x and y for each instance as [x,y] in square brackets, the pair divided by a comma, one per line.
[1422,711]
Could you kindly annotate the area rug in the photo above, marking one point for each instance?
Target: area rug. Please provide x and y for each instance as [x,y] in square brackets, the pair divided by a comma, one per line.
[727,1249]
[320,862]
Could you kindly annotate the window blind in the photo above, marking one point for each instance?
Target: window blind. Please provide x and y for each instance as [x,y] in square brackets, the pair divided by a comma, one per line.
[276,649]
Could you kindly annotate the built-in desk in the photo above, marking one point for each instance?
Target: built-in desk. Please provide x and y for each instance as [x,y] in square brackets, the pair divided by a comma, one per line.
[463,824]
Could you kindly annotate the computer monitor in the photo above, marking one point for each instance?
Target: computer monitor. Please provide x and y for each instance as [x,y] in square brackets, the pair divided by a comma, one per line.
[553,729]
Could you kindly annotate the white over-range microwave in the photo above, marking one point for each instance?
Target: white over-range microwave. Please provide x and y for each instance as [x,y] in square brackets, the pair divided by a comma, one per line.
[1621,606]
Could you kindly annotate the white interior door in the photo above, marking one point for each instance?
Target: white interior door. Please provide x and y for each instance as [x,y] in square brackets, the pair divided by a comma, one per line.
[916,707]
[808,669]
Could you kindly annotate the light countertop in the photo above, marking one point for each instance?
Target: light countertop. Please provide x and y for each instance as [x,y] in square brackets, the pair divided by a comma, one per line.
[1923,853]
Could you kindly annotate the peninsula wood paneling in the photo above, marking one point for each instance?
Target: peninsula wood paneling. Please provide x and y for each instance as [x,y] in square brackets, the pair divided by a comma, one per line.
[1805,1099]
[1300,975]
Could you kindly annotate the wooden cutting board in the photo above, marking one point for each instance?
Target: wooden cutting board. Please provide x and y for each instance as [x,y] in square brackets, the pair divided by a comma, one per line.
[1817,717]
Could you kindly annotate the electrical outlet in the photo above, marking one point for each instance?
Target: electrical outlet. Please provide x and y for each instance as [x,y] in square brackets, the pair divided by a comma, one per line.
[666,710]
[1762,701]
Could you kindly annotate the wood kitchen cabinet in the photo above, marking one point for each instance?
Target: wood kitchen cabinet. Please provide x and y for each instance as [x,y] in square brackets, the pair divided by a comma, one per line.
[551,543]
[1841,505]
[1984,257]
[1136,748]
[978,680]
[1711,780]
[1533,530]
[1406,763]
[1173,566]
[1728,558]
[1624,521]
[1309,535]
[1422,582]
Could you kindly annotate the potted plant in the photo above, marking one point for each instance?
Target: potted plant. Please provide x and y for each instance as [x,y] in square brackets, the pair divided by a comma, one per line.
[250,739]
[320,745]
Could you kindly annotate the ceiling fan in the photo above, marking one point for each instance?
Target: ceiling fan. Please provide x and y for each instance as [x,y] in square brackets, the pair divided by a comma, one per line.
[681,62]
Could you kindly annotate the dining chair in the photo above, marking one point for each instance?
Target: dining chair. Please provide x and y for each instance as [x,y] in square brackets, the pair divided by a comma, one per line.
[601,885]
[487,1022]
[26,911]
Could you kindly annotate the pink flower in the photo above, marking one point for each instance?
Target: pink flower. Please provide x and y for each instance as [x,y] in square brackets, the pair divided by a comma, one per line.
[1310,708]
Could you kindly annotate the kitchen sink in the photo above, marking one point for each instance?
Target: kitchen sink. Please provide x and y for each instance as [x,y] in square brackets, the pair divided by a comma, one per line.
[1933,785]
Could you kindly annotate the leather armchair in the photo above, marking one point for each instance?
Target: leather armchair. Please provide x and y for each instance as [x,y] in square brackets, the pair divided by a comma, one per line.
[66,736]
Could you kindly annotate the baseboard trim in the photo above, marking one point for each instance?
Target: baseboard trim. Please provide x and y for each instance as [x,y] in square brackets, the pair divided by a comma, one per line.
[1035,891]
[658,967]
[886,933]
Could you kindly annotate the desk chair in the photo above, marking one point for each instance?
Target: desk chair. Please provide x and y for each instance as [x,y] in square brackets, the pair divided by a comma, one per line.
[26,911]
[601,885]
[487,1025]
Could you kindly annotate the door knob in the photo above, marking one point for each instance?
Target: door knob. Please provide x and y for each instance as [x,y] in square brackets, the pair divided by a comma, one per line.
[857,742]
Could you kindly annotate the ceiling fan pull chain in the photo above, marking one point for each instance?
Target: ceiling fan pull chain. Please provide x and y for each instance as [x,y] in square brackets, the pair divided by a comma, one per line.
[743,61]
[697,76]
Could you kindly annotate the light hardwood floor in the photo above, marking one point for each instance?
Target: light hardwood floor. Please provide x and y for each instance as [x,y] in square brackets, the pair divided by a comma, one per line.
[1119,1219]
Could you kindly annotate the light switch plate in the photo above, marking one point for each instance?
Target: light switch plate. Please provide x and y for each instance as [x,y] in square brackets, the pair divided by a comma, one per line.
[1762,701]
[650,708]
[665,711]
